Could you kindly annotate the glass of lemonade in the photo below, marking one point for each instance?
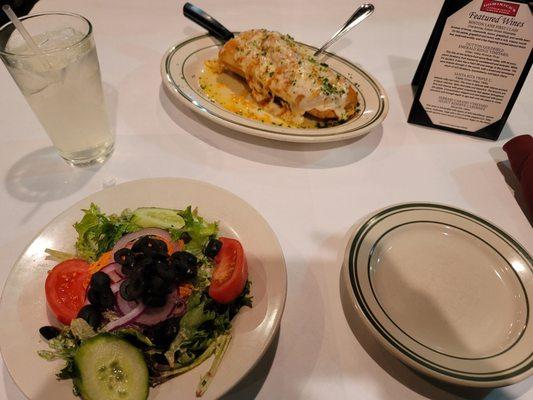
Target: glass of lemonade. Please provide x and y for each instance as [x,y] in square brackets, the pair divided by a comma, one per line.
[62,84]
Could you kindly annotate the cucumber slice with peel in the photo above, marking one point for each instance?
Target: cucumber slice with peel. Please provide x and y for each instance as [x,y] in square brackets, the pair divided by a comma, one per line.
[110,368]
[154,217]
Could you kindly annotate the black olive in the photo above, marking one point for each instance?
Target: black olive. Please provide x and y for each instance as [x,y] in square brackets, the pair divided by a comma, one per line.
[154,300]
[159,246]
[127,269]
[149,271]
[124,290]
[103,298]
[137,285]
[160,358]
[93,295]
[139,245]
[123,256]
[131,289]
[163,333]
[160,257]
[185,264]
[184,257]
[185,237]
[165,271]
[158,286]
[107,299]
[149,246]
[100,280]
[187,272]
[91,314]
[212,248]
[138,274]
[157,363]
[49,332]
[142,262]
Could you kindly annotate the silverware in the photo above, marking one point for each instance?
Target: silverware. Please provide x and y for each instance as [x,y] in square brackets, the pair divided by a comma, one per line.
[359,15]
[206,21]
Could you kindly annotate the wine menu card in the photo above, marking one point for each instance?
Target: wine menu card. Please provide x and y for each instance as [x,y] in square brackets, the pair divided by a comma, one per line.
[477,59]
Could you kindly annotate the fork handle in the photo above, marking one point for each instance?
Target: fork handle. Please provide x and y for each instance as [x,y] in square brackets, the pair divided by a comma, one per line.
[358,16]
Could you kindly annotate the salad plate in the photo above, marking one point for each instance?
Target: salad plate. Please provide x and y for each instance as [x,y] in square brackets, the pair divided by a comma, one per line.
[183,64]
[23,306]
[445,291]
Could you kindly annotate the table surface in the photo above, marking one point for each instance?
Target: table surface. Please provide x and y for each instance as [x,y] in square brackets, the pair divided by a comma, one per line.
[310,194]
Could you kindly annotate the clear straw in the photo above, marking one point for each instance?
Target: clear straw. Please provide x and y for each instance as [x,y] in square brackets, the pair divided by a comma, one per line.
[25,34]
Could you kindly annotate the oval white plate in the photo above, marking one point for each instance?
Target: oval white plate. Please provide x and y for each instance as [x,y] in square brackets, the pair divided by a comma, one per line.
[183,63]
[23,306]
[445,291]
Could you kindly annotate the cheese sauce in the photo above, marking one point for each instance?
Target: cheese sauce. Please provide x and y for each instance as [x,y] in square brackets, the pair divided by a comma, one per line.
[231,92]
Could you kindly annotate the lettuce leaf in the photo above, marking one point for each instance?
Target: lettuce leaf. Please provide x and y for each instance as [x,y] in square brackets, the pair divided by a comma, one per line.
[195,316]
[198,229]
[97,232]
[222,343]
[58,256]
[135,335]
[63,347]
[81,330]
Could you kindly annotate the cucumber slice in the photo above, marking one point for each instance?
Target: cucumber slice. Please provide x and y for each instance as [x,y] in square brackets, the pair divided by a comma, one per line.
[154,217]
[110,368]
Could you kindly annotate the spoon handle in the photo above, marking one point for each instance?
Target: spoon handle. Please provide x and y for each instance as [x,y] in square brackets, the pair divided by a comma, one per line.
[206,21]
[359,15]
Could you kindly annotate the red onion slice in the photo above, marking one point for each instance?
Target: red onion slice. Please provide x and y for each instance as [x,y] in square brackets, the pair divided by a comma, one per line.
[114,272]
[115,287]
[129,317]
[178,245]
[124,240]
[154,315]
[124,306]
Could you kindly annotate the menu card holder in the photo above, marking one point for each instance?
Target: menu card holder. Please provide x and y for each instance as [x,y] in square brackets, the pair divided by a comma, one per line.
[474,65]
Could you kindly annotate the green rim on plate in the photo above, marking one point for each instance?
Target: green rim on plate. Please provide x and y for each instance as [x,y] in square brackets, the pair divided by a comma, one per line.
[511,362]
[182,64]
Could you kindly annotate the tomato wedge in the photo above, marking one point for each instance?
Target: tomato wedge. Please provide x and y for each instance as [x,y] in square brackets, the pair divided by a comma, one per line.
[230,273]
[65,288]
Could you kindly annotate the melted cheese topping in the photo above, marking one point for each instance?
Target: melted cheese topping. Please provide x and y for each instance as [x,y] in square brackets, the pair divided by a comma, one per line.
[283,84]
[274,65]
[231,92]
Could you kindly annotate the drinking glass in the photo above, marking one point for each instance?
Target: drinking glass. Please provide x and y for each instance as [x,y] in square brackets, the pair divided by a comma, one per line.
[62,84]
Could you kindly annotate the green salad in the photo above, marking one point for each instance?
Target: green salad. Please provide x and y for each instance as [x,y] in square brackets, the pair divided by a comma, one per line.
[150,294]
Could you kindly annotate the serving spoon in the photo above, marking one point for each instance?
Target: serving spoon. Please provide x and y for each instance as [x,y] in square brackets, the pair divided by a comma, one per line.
[219,31]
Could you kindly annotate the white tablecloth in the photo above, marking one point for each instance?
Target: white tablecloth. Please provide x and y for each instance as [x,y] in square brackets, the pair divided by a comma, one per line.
[310,194]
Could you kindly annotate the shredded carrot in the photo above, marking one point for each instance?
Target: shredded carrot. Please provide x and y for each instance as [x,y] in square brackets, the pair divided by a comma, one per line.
[185,290]
[105,259]
[174,246]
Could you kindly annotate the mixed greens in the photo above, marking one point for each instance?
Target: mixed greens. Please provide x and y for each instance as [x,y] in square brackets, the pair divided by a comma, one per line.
[172,336]
[98,232]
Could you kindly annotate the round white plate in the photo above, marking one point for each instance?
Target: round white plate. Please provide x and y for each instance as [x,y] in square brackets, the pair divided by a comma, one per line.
[183,63]
[445,291]
[23,306]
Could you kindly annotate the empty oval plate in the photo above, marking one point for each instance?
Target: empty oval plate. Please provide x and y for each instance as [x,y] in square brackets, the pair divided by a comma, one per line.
[445,291]
[183,64]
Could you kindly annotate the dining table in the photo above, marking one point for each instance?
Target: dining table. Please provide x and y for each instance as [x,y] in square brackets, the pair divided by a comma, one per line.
[311,194]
